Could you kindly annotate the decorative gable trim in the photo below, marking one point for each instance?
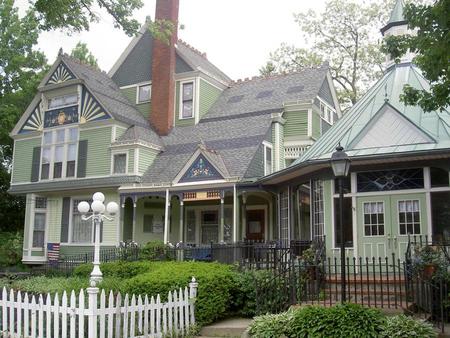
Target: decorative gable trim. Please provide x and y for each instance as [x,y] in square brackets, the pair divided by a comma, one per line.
[35,121]
[389,127]
[62,73]
[90,109]
[200,170]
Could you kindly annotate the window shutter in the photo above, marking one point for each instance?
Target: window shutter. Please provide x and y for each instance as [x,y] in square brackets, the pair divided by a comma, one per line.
[35,164]
[65,220]
[82,158]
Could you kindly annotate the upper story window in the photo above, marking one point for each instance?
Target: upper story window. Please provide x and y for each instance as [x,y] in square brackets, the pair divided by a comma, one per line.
[63,101]
[326,112]
[59,153]
[187,100]
[144,93]
[268,159]
[119,163]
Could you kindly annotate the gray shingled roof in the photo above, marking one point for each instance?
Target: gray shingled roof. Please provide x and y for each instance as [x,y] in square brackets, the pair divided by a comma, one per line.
[138,133]
[269,92]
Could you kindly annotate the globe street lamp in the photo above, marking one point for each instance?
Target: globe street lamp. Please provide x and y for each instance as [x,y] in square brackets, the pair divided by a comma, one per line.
[98,215]
[340,163]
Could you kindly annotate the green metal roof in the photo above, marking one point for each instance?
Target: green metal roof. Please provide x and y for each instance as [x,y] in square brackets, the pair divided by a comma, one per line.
[397,12]
[431,130]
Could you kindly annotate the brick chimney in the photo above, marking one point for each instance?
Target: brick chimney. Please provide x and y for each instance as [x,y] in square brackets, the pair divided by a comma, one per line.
[163,70]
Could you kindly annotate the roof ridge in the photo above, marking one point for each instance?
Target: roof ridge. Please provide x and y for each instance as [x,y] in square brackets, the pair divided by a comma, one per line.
[192,48]
[91,67]
[278,75]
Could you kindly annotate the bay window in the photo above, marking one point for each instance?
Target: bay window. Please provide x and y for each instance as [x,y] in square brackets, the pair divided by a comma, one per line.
[59,151]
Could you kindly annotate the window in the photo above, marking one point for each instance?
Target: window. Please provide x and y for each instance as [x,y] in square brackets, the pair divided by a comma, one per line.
[318,218]
[59,152]
[268,159]
[82,231]
[120,164]
[210,226]
[190,226]
[439,177]
[388,180]
[187,100]
[347,222]
[409,217]
[326,113]
[373,218]
[40,215]
[144,93]
[63,101]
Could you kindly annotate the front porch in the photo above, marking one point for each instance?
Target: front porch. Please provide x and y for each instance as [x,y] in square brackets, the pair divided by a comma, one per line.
[197,217]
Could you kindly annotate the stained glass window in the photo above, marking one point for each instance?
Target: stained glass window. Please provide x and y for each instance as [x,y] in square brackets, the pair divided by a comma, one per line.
[388,180]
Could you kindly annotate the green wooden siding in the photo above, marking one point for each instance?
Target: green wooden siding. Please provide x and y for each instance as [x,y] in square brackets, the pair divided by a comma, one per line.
[131,161]
[296,123]
[208,95]
[130,94]
[99,155]
[315,125]
[181,122]
[22,159]
[146,158]
[120,131]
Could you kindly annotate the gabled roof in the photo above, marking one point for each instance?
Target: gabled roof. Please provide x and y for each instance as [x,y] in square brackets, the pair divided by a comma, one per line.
[140,134]
[263,93]
[135,63]
[433,129]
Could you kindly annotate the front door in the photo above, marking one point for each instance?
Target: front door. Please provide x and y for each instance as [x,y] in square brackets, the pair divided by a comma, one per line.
[384,223]
[256,224]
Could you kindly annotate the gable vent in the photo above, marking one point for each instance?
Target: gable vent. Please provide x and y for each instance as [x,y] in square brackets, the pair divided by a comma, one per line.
[295,89]
[264,94]
[235,99]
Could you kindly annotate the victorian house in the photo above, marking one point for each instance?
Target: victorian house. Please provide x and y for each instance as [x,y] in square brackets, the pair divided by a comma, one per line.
[182,148]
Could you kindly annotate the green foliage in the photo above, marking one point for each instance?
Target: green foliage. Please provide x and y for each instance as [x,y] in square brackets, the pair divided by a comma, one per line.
[270,325]
[10,249]
[431,43]
[346,35]
[82,53]
[162,30]
[402,326]
[77,15]
[42,284]
[154,250]
[116,269]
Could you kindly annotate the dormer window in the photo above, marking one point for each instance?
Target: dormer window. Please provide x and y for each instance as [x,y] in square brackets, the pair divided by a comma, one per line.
[187,100]
[326,112]
[144,93]
[63,101]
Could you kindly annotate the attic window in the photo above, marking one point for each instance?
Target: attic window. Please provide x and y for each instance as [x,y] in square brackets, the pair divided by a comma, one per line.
[63,101]
[235,99]
[264,94]
[144,93]
[295,89]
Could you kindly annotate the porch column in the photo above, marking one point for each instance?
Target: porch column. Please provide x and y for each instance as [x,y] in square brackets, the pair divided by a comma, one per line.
[222,218]
[166,218]
[270,222]
[244,215]
[235,214]
[121,219]
[134,218]
[181,234]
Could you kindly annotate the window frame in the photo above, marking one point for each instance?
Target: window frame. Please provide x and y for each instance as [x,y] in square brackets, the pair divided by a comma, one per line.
[52,145]
[413,222]
[181,99]
[138,101]
[377,224]
[270,146]
[327,110]
[40,211]
[119,152]
[49,99]
[71,225]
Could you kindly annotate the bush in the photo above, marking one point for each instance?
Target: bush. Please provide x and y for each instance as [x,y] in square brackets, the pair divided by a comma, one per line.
[154,250]
[115,269]
[214,292]
[11,249]
[42,284]
[270,326]
[402,326]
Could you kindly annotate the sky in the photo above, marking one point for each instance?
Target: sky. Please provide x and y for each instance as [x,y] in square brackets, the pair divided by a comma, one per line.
[236,35]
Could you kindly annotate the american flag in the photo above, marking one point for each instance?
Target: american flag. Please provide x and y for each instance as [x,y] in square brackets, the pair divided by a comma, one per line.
[53,252]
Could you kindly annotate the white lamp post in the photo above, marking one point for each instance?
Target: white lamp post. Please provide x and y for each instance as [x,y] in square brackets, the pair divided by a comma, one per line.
[98,214]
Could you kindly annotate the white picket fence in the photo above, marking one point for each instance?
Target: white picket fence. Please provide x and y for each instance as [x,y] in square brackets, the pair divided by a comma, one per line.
[95,316]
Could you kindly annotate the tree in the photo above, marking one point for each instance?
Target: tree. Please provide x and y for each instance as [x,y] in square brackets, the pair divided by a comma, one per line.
[346,35]
[82,53]
[431,45]
[21,69]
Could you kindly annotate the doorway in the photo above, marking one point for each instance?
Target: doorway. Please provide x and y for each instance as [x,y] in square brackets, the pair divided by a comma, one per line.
[256,224]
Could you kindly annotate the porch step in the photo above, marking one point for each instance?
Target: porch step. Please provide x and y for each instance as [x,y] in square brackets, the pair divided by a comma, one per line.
[234,327]
[361,279]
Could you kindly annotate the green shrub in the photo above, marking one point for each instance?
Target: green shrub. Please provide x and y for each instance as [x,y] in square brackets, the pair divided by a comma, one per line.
[11,247]
[154,250]
[402,326]
[347,320]
[115,269]
[42,284]
[214,292]
[270,326]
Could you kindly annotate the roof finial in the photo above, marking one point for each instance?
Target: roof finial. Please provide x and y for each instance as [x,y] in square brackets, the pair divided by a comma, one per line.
[60,52]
